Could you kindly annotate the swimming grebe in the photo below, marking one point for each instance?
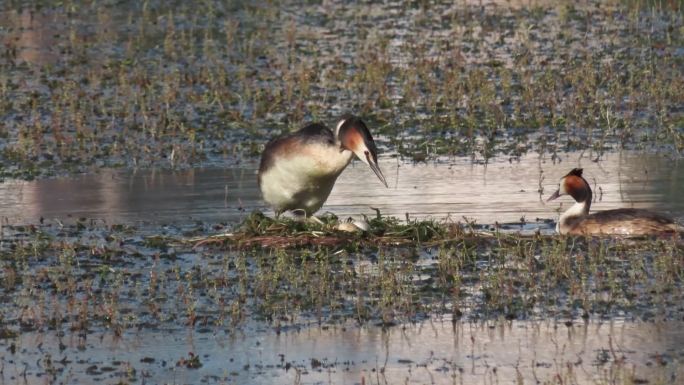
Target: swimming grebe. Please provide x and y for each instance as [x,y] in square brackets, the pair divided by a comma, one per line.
[298,170]
[577,220]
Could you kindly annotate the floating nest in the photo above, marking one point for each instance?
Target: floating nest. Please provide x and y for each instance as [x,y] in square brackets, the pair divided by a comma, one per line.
[261,231]
[328,231]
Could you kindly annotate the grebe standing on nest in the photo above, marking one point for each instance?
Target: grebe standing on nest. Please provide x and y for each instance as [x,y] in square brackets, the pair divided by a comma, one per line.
[577,220]
[298,170]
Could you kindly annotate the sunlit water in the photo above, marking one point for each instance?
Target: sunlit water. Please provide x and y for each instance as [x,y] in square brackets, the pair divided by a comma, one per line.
[432,352]
[501,191]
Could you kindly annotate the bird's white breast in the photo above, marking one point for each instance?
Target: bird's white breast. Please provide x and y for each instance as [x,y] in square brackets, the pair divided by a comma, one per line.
[303,179]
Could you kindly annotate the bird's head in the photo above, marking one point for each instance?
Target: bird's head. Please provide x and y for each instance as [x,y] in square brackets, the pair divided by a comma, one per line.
[573,184]
[352,134]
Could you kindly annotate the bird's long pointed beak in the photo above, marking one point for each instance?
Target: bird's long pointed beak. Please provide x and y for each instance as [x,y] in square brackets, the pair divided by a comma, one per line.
[376,169]
[554,196]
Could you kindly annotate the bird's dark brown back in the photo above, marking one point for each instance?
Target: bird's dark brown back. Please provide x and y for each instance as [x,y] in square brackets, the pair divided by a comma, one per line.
[287,144]
[625,221]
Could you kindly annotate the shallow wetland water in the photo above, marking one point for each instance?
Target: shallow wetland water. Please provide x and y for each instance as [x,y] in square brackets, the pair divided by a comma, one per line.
[130,133]
[431,352]
[150,290]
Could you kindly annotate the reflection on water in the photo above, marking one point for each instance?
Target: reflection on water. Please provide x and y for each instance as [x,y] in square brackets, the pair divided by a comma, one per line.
[498,192]
[437,352]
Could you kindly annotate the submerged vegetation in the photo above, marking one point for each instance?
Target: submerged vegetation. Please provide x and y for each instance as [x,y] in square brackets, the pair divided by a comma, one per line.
[85,281]
[85,277]
[87,84]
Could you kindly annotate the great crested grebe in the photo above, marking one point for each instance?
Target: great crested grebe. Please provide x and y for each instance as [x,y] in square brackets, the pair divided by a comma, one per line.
[298,170]
[577,220]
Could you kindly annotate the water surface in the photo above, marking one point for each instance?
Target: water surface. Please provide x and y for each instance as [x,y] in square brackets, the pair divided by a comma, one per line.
[431,352]
[503,191]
